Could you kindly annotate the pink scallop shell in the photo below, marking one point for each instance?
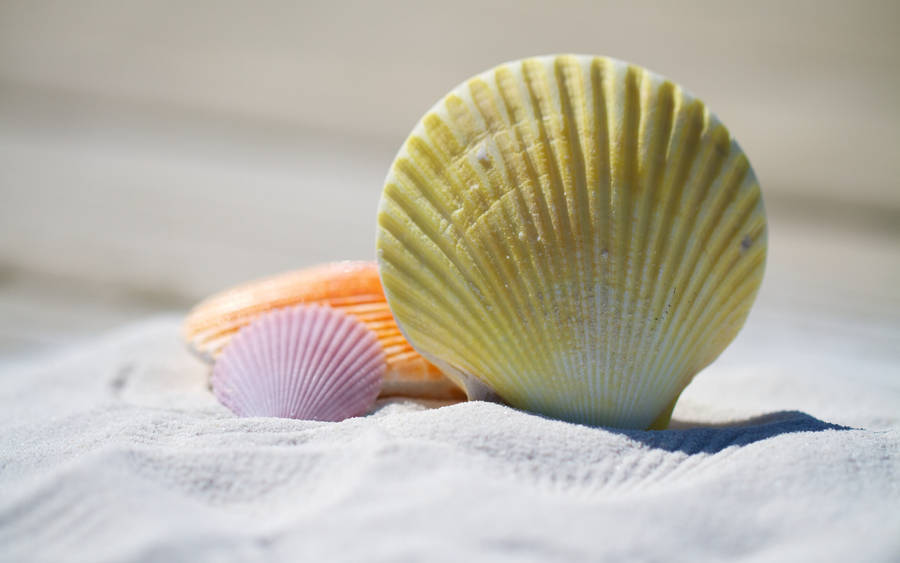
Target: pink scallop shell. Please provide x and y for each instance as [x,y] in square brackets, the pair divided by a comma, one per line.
[304,362]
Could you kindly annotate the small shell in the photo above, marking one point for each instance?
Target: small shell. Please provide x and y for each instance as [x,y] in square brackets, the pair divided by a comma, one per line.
[575,234]
[304,362]
[351,287]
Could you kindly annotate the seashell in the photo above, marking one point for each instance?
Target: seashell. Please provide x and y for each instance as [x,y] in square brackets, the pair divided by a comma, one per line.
[307,362]
[573,234]
[351,287]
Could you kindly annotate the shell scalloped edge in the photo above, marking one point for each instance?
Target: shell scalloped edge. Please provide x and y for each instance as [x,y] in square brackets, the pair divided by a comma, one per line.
[575,234]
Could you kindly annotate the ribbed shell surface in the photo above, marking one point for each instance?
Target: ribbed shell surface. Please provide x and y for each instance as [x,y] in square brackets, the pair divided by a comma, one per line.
[304,362]
[575,234]
[352,287]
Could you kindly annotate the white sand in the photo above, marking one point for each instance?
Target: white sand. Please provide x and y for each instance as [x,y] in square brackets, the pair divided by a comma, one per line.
[117,451]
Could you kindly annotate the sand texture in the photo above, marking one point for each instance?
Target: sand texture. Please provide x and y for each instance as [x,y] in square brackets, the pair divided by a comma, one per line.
[117,451]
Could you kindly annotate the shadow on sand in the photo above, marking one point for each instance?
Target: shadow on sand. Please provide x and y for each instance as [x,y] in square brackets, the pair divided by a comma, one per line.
[698,437]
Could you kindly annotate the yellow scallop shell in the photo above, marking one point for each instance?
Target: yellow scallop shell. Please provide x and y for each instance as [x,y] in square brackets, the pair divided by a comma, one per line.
[574,234]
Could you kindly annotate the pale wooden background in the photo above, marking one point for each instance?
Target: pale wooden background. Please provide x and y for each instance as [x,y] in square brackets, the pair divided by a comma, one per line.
[153,152]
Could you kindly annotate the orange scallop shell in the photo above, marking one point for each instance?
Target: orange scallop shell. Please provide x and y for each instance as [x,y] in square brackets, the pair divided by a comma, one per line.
[351,287]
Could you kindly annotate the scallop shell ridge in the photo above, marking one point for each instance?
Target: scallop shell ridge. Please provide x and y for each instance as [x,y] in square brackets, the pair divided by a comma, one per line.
[352,287]
[303,362]
[576,234]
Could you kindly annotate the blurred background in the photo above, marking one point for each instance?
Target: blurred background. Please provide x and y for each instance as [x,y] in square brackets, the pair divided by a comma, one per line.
[154,152]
